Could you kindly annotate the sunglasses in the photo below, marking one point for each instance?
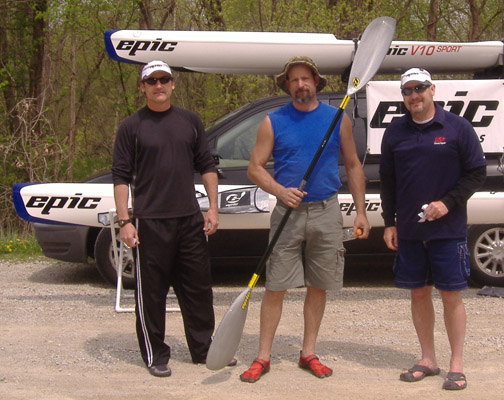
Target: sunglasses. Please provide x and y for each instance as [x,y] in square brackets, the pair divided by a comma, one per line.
[418,89]
[163,80]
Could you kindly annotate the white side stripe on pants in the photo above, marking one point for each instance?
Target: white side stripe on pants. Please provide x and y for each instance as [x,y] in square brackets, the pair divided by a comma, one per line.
[140,310]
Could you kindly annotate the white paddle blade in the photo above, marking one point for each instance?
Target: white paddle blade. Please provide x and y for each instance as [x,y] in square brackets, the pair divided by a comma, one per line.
[228,334]
[372,49]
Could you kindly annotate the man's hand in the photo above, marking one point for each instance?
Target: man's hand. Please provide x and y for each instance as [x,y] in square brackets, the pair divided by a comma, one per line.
[361,222]
[291,197]
[129,235]
[211,221]
[435,210]
[390,237]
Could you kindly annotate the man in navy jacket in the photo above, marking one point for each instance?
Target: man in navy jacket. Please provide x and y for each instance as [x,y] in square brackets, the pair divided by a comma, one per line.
[431,163]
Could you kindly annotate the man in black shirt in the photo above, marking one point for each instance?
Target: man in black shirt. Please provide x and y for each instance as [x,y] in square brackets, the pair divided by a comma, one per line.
[156,151]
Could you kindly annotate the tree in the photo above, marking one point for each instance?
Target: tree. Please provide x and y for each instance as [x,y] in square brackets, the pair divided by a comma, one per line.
[433,20]
[62,97]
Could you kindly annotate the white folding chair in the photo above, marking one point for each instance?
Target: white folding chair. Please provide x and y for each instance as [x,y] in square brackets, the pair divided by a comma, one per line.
[119,264]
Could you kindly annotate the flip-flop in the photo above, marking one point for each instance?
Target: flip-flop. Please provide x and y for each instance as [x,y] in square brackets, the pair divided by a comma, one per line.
[426,371]
[451,380]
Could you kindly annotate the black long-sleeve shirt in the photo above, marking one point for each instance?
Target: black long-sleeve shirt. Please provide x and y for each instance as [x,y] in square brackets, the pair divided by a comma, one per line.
[162,150]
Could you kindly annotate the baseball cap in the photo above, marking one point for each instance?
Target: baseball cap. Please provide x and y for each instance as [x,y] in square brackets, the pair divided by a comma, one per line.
[282,78]
[415,74]
[154,66]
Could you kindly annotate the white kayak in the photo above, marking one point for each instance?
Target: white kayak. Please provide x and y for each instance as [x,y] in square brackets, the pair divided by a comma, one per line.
[266,52]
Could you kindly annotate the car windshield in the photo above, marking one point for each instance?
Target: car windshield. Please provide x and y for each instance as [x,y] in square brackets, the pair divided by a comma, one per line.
[224,117]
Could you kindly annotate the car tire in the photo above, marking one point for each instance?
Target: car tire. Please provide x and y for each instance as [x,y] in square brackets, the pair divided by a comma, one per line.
[104,256]
[486,244]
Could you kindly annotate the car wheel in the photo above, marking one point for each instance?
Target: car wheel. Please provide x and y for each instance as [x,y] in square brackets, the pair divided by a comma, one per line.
[104,255]
[486,243]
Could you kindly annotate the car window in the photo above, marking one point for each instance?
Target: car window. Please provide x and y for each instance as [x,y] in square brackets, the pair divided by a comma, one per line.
[237,143]
[226,116]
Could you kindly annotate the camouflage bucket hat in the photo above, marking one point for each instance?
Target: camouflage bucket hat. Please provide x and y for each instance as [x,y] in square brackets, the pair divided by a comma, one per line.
[282,78]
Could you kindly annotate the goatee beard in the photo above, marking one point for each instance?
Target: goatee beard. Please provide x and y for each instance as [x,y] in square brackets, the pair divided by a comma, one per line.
[305,99]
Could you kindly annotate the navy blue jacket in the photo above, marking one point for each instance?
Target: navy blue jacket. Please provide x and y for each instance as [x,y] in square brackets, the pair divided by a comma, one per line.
[421,163]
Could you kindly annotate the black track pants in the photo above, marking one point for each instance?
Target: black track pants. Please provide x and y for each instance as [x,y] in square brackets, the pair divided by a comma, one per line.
[173,252]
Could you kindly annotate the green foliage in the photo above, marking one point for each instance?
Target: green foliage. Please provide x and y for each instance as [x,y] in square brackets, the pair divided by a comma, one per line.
[35,140]
[17,246]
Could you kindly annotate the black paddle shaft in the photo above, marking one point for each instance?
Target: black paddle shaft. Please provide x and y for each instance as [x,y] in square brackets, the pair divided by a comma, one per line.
[281,225]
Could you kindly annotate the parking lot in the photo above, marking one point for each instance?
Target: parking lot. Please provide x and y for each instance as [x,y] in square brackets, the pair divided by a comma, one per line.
[62,339]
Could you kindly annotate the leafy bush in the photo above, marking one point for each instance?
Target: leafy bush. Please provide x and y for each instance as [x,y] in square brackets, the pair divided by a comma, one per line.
[20,246]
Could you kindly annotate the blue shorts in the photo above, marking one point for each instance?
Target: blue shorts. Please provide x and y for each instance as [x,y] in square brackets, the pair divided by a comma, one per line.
[443,263]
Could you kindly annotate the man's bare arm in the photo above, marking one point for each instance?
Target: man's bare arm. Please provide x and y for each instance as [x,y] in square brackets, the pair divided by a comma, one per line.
[210,181]
[257,173]
[128,232]
[355,175]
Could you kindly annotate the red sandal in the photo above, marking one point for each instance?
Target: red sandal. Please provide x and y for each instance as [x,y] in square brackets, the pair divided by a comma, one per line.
[256,370]
[313,364]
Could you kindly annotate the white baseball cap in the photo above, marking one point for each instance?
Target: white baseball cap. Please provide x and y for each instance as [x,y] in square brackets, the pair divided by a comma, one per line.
[415,74]
[154,66]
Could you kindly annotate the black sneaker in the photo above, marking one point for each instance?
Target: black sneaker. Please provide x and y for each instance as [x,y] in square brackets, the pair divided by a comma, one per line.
[162,370]
[232,363]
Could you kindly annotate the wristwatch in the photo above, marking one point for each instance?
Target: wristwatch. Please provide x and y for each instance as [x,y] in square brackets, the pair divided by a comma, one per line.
[123,222]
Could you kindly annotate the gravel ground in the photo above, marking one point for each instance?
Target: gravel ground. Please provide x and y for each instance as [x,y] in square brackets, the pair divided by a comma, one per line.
[62,339]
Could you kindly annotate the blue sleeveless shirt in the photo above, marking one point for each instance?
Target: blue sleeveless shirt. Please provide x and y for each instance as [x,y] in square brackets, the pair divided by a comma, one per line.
[297,137]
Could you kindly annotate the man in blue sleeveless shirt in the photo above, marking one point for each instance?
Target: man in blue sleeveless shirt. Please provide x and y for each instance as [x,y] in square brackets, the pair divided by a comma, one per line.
[292,134]
[431,163]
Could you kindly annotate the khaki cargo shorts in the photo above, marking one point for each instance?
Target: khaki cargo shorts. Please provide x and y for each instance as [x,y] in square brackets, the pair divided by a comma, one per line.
[315,230]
